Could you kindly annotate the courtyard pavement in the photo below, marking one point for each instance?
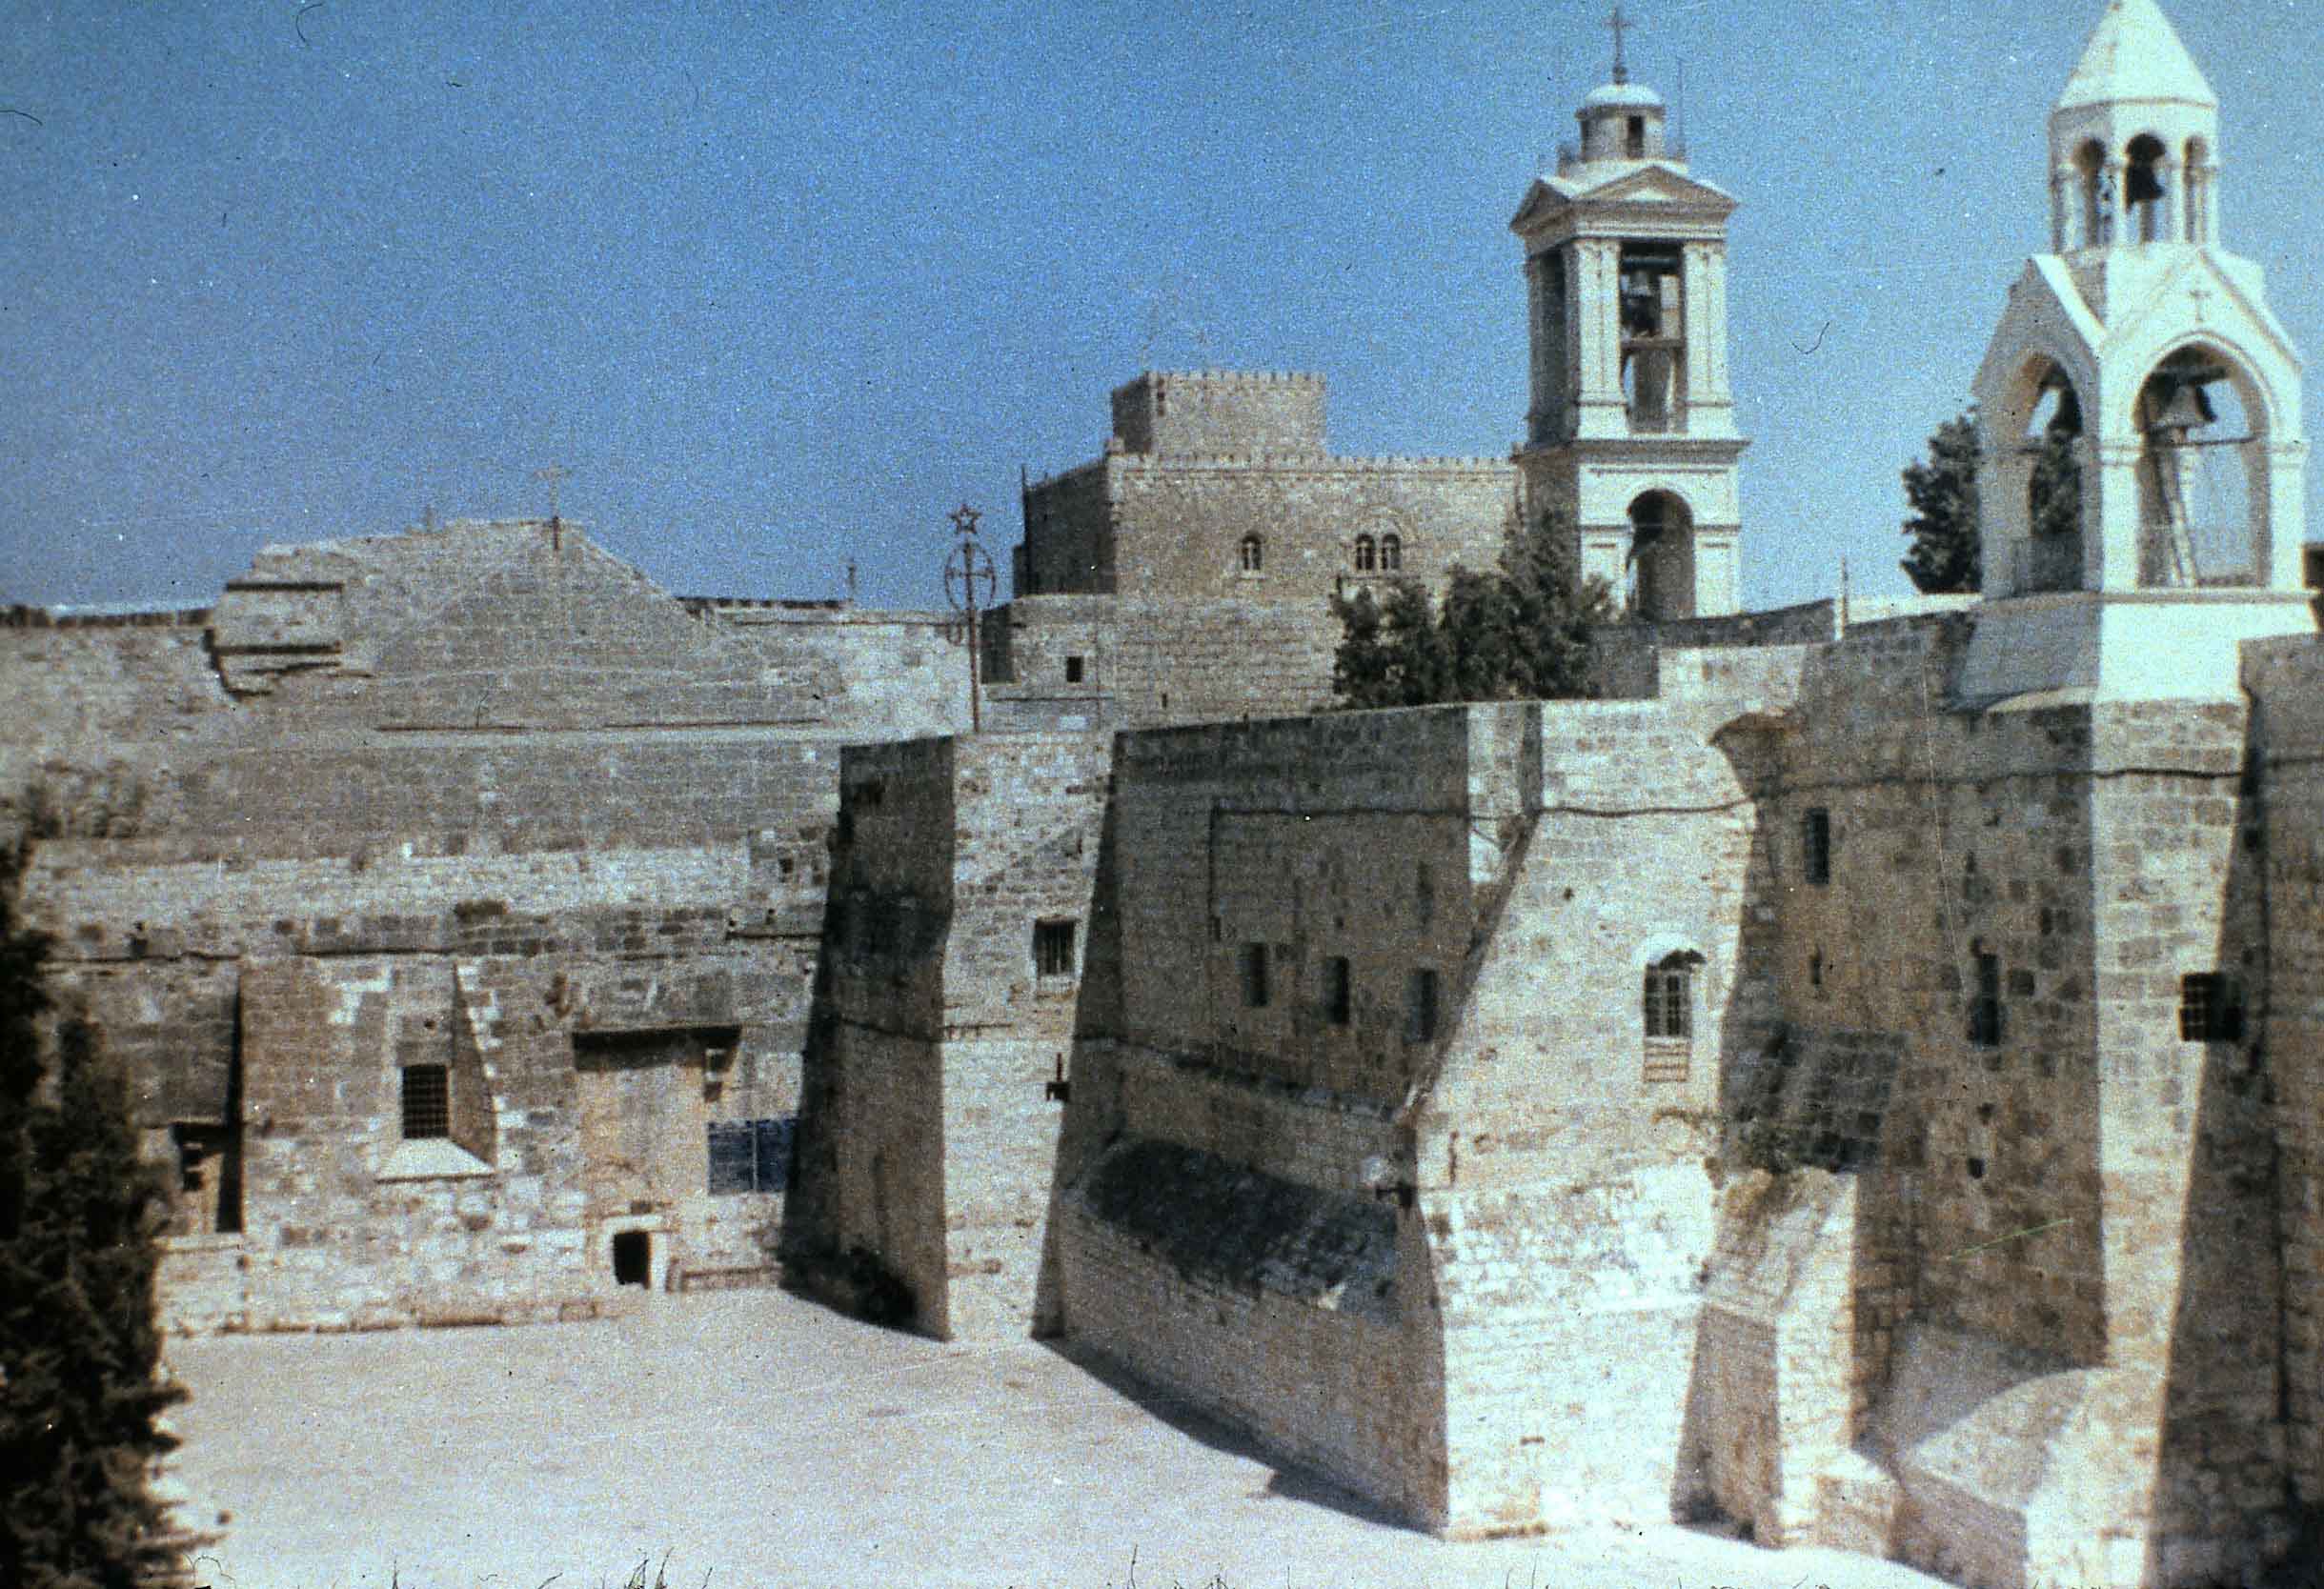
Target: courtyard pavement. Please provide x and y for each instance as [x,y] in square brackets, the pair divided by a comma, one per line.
[755,1438]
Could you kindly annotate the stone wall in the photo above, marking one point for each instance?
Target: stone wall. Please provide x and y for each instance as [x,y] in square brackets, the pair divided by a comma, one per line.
[1213,411]
[961,910]
[491,768]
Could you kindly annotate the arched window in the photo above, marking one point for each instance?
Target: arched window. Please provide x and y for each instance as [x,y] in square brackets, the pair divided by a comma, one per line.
[2053,485]
[2089,162]
[1669,997]
[1662,558]
[2145,198]
[2195,188]
[1252,556]
[1366,555]
[1391,552]
[2200,472]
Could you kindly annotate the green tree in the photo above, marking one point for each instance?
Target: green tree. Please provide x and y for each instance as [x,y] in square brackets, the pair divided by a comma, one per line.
[1520,633]
[80,1344]
[1941,493]
[2056,491]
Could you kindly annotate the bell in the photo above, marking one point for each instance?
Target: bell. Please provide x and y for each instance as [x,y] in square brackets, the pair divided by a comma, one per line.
[2186,409]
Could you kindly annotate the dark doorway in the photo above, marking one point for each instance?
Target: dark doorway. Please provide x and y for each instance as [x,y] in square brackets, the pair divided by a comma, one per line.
[632,1257]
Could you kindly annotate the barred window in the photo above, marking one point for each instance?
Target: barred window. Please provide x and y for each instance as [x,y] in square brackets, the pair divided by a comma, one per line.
[1053,948]
[1668,998]
[2210,1007]
[1985,1008]
[1367,555]
[752,1155]
[1252,555]
[1391,553]
[427,1101]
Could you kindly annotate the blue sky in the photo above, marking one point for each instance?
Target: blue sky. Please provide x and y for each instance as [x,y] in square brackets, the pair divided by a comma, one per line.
[781,284]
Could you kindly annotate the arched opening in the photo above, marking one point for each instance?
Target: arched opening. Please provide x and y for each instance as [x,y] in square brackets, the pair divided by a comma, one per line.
[2050,443]
[2146,193]
[1252,558]
[1391,553]
[1661,565]
[1367,555]
[2090,166]
[2195,187]
[2199,446]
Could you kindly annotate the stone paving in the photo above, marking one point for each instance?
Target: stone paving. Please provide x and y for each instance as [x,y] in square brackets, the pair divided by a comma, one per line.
[759,1440]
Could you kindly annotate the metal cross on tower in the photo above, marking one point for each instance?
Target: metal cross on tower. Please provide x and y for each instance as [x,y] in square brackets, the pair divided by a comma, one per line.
[970,584]
[1622,72]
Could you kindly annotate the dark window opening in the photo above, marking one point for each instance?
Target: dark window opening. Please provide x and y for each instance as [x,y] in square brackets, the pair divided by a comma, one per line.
[2210,1007]
[426,1102]
[208,1178]
[632,1257]
[1815,841]
[1420,1005]
[2143,188]
[1668,998]
[1815,969]
[1053,948]
[1339,991]
[1391,553]
[1073,669]
[1252,963]
[752,1155]
[1985,1008]
[1252,555]
[1634,137]
[1367,555]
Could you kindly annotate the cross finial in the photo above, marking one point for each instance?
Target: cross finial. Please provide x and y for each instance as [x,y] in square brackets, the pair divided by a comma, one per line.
[1622,72]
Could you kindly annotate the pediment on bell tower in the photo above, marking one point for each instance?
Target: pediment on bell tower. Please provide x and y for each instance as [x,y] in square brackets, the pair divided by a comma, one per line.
[1627,196]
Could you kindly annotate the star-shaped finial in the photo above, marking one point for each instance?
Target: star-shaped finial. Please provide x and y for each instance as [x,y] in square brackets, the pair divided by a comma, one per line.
[965,519]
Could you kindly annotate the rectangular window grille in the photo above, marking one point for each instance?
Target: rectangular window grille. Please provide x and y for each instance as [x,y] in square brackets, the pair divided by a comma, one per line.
[1816,844]
[1339,991]
[1420,1005]
[1252,962]
[1985,1010]
[427,1101]
[2210,1009]
[1053,948]
[1669,1003]
[752,1155]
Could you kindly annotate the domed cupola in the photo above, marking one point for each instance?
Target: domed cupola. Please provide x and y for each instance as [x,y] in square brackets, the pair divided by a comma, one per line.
[1624,120]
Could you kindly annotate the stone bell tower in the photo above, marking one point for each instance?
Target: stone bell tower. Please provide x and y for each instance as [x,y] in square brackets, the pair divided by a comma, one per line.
[2140,488]
[1632,428]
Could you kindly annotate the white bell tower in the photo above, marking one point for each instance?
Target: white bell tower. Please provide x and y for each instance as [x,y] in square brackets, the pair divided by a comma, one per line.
[2140,486]
[1631,428]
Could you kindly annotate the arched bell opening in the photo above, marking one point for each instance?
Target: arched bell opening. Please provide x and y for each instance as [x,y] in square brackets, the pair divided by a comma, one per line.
[2050,459]
[1661,565]
[2201,462]
[2090,171]
[2145,190]
[2195,187]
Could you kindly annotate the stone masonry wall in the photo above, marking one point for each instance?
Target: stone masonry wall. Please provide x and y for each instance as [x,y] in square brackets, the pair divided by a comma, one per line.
[2288,782]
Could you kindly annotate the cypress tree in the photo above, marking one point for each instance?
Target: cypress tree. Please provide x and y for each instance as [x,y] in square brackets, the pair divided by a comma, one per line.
[79,1344]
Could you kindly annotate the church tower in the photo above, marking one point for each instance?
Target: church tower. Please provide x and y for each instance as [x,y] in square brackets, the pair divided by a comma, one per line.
[1632,428]
[2140,486]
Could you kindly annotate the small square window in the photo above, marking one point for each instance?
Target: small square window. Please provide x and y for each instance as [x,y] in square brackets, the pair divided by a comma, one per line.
[1339,991]
[1053,948]
[1420,1005]
[1815,846]
[1073,669]
[426,1102]
[1251,961]
[2210,1009]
